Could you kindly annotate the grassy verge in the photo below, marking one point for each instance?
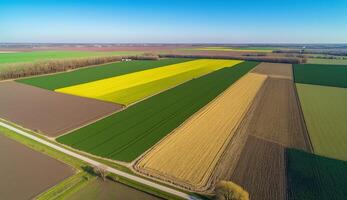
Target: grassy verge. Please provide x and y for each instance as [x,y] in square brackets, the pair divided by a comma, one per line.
[142,187]
[67,187]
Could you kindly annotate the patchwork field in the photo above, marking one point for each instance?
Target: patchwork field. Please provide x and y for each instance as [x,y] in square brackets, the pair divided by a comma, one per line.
[106,190]
[85,75]
[127,134]
[188,156]
[325,114]
[312,177]
[329,75]
[133,87]
[26,173]
[48,112]
[261,170]
[276,70]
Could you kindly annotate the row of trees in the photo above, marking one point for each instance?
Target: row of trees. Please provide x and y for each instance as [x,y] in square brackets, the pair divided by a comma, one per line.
[18,70]
[291,60]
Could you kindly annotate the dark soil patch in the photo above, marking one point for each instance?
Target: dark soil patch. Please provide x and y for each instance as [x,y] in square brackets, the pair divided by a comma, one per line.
[48,112]
[26,173]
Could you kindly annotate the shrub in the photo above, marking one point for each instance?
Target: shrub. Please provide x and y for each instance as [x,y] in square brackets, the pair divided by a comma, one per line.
[227,190]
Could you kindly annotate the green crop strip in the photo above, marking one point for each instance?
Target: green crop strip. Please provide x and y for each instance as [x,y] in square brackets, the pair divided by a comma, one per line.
[55,81]
[127,134]
[313,177]
[329,75]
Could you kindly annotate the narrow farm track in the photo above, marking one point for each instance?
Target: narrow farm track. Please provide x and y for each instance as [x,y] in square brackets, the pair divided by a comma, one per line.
[188,156]
[95,163]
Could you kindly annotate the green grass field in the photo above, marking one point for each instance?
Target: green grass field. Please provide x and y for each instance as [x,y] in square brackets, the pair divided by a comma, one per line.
[311,177]
[327,61]
[127,134]
[84,75]
[329,75]
[45,55]
[325,112]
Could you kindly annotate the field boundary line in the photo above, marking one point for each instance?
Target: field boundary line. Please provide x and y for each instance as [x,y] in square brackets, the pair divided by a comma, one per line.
[96,163]
[302,116]
[89,123]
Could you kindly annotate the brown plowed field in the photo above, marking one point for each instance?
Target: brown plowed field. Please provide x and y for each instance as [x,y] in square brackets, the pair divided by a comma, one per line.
[48,112]
[279,70]
[277,116]
[25,173]
[261,170]
[189,155]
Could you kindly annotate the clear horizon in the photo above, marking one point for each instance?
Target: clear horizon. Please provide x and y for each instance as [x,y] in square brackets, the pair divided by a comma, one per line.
[174,21]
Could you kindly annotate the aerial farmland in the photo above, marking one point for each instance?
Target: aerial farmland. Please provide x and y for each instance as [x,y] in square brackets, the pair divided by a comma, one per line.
[179,100]
[185,123]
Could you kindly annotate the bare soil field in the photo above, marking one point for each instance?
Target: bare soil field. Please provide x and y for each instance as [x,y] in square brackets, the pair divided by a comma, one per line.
[48,112]
[189,155]
[278,70]
[277,116]
[261,170]
[26,173]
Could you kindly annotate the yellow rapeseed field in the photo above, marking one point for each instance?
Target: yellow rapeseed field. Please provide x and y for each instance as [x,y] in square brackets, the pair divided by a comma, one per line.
[189,155]
[133,87]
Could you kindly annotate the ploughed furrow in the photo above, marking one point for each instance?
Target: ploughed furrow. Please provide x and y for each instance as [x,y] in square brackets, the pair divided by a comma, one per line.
[261,170]
[277,116]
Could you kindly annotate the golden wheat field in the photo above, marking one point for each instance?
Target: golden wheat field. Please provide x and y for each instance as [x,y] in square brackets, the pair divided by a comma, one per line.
[188,156]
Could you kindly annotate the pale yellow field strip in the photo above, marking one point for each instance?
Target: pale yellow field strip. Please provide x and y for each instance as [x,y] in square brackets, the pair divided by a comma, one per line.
[189,155]
[102,88]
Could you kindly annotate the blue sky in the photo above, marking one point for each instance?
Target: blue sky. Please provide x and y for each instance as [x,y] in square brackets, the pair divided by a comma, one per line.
[174,21]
